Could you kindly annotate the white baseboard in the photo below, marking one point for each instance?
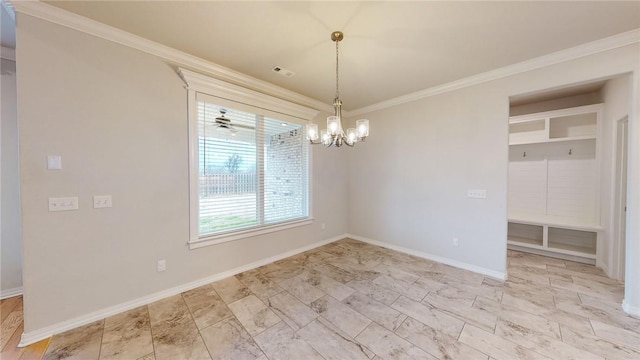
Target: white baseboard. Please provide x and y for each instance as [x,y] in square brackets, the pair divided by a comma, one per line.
[604,268]
[454,263]
[40,334]
[5,294]
[630,309]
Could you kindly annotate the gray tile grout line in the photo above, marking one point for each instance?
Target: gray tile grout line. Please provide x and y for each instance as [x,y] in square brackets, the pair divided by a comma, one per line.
[193,320]
[153,343]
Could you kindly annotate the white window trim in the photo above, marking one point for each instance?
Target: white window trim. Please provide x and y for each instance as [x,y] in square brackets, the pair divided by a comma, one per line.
[197,83]
[245,233]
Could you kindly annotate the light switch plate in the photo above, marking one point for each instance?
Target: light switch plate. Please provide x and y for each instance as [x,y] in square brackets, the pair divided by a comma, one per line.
[477,193]
[102,201]
[63,204]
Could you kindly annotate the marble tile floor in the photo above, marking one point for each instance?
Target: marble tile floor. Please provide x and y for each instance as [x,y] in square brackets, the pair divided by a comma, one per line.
[351,300]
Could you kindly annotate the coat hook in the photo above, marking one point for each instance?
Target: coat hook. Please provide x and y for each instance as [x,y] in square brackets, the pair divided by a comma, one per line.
[524,154]
[570,151]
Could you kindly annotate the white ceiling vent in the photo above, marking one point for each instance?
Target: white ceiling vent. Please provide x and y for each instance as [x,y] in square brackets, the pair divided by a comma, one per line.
[282,71]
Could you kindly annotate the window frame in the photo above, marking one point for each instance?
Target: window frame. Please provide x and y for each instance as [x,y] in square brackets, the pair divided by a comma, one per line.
[262,104]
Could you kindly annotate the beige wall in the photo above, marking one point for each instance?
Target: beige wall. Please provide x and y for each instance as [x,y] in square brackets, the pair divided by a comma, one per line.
[118,118]
[10,244]
[408,186]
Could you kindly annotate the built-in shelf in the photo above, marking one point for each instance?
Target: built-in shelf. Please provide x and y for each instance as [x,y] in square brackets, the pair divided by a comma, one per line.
[579,241]
[544,141]
[574,239]
[574,249]
[579,123]
[526,132]
[553,182]
[575,253]
[523,241]
[576,125]
[555,221]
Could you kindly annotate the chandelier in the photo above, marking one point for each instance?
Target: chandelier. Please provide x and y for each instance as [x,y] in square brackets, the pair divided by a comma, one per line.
[334,135]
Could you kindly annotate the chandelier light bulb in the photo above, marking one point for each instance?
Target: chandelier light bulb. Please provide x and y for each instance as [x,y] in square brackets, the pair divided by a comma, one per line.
[324,135]
[312,132]
[352,136]
[333,124]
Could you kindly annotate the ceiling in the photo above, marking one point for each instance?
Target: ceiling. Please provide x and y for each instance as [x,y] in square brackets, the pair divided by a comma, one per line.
[390,48]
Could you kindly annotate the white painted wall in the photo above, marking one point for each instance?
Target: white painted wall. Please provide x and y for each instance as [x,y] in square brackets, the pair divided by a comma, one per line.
[408,184]
[10,232]
[631,302]
[616,95]
[118,118]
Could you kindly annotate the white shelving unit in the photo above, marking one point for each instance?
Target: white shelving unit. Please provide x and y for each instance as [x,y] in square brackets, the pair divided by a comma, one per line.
[553,183]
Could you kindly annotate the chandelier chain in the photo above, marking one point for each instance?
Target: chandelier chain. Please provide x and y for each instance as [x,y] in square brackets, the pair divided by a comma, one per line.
[337,69]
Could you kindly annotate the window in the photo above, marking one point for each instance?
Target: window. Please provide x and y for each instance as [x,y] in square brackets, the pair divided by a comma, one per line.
[252,170]
[248,164]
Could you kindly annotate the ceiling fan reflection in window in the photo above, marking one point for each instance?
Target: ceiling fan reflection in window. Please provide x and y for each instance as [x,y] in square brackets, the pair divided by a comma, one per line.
[225,123]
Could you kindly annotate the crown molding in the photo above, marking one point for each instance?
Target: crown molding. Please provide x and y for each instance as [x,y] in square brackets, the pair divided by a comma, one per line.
[594,47]
[80,23]
[7,53]
[212,86]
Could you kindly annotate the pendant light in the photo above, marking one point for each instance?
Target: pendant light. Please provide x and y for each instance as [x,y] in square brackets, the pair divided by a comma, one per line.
[334,135]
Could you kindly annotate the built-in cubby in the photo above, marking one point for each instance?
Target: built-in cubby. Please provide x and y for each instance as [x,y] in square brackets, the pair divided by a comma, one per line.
[553,182]
[573,126]
[526,234]
[575,241]
[527,131]
[554,236]
[560,125]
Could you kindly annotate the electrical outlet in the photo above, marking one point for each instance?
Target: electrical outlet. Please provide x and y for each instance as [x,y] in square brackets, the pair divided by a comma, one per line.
[54,162]
[102,201]
[477,193]
[63,204]
[162,265]
[455,242]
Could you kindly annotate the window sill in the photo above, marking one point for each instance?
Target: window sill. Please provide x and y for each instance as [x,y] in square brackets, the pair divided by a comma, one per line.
[243,234]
